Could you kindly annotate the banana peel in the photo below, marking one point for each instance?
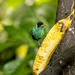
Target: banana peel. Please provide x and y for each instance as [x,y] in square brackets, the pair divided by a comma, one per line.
[50,43]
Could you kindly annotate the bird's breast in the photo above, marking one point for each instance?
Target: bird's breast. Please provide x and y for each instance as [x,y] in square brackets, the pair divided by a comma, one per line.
[39,33]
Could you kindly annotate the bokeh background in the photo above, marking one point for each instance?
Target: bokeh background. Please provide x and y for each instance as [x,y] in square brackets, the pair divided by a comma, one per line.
[17,48]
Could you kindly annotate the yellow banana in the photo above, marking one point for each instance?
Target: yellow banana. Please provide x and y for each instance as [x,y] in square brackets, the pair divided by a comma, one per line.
[50,43]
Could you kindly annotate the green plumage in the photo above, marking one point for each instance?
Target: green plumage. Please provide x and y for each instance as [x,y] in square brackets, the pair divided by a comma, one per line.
[38,31]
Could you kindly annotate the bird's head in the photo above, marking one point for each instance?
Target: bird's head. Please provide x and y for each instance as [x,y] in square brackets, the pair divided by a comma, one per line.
[40,24]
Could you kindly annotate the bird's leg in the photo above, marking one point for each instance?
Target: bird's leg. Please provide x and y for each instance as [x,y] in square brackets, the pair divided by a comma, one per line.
[39,43]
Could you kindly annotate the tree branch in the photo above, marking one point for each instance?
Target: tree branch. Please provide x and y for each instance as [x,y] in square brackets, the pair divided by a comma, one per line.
[65,7]
[60,63]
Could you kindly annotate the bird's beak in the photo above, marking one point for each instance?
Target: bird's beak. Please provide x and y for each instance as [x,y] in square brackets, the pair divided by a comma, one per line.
[43,25]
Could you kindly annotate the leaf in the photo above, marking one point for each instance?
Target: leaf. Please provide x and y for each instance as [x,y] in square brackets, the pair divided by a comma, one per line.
[13,3]
[16,67]
[19,35]
[9,44]
[5,46]
[10,67]
[27,71]
[39,2]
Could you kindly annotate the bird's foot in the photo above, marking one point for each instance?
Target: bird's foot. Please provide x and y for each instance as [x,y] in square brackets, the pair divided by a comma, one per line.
[39,43]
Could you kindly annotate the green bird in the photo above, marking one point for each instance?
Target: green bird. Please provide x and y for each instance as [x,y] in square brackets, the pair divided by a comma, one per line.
[38,31]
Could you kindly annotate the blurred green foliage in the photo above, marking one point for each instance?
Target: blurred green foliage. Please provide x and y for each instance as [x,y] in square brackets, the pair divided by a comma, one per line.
[18,17]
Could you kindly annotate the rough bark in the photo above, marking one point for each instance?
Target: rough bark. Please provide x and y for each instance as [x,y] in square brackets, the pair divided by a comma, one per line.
[65,7]
[64,62]
[74,18]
